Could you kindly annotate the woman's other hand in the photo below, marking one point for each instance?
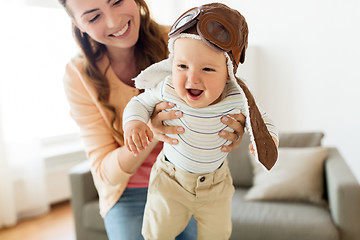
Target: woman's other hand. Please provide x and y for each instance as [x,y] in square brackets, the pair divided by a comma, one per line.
[237,123]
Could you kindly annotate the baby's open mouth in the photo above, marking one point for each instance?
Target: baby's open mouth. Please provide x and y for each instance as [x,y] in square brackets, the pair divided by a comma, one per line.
[194,92]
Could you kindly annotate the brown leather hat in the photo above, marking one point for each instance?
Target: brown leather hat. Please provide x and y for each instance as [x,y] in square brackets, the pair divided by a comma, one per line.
[219,26]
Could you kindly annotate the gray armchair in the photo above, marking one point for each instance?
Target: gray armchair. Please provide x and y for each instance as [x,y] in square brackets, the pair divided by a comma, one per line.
[89,225]
[340,220]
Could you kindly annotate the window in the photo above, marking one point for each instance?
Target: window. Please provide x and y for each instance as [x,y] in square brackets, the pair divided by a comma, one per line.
[38,44]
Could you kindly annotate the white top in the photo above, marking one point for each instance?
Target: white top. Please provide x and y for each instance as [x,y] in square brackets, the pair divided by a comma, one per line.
[198,150]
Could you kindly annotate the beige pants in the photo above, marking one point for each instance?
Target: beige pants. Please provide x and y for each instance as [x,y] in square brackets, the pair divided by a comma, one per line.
[175,195]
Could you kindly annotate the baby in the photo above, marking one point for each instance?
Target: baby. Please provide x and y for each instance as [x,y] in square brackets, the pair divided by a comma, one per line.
[192,178]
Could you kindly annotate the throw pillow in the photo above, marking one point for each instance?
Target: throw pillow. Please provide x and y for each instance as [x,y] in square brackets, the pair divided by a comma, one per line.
[296,176]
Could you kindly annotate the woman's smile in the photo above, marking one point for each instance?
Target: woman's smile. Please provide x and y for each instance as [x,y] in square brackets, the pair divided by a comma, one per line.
[122,32]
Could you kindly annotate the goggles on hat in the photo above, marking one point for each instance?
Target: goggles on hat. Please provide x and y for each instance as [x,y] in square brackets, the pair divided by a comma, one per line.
[212,28]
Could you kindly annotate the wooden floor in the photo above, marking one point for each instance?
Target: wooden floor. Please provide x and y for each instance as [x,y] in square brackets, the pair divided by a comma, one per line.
[56,225]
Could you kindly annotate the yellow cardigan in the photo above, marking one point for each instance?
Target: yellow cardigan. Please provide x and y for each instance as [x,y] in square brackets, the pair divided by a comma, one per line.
[100,144]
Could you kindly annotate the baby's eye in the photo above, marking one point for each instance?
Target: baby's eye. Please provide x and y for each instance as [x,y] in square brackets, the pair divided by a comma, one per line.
[182,66]
[207,69]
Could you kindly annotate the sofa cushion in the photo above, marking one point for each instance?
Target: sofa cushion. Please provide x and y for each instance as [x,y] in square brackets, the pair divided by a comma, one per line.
[280,220]
[301,139]
[297,175]
[240,165]
[91,216]
[239,160]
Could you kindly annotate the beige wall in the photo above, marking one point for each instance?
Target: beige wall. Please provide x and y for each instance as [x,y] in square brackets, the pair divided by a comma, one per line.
[302,64]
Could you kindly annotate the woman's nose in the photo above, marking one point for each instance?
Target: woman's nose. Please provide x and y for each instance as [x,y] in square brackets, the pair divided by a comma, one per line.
[112,20]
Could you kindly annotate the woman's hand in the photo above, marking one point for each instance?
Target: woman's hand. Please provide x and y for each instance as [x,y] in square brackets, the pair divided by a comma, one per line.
[159,130]
[237,124]
[156,122]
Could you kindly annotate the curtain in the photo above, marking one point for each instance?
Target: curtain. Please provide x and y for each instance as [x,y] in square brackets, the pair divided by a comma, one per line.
[7,208]
[35,49]
[22,181]
[22,185]
[28,177]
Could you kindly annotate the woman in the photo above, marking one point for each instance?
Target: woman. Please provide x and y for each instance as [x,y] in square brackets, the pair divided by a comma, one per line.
[118,39]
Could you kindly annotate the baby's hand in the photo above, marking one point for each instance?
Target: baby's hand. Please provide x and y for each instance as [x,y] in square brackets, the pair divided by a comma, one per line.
[251,147]
[137,136]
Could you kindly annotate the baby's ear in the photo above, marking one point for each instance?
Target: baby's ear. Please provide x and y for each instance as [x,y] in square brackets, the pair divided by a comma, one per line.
[228,78]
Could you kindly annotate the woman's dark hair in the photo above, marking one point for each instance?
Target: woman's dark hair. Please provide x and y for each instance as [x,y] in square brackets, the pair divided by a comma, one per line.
[150,48]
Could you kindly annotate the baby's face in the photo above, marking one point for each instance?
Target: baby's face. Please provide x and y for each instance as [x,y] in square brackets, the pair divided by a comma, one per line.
[199,72]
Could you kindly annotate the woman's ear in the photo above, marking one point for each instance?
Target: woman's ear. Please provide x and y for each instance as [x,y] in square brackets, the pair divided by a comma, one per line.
[77,25]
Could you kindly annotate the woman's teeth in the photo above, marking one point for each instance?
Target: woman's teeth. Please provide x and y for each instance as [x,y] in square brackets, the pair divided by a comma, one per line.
[122,31]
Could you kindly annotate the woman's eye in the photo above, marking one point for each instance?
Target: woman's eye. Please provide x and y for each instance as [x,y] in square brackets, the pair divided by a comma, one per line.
[117,2]
[94,18]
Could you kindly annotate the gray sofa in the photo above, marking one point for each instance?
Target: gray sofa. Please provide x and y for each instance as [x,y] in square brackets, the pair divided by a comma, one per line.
[340,219]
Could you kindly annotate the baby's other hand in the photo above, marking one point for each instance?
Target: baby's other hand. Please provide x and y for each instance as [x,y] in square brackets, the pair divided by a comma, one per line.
[251,147]
[137,136]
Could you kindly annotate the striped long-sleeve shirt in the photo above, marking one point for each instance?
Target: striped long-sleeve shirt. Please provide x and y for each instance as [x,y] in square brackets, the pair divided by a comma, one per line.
[199,147]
